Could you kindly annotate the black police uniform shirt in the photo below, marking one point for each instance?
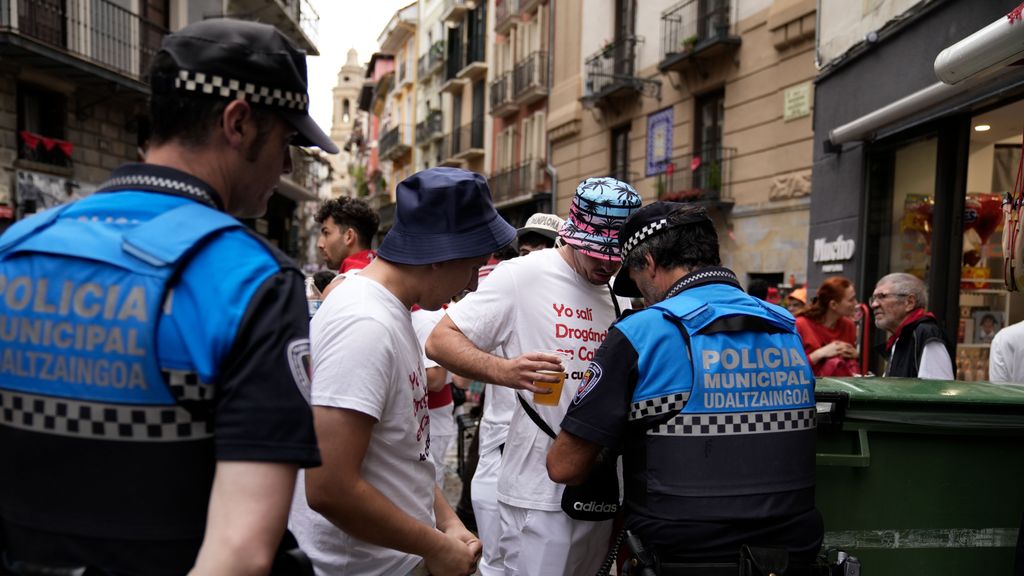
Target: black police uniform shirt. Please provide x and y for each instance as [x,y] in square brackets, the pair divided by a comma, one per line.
[121,484]
[601,413]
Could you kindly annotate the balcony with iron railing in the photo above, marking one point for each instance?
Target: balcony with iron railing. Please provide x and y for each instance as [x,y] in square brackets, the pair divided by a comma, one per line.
[531,79]
[395,143]
[474,60]
[310,171]
[446,153]
[506,13]
[102,38]
[702,177]
[468,141]
[309,23]
[429,129]
[432,61]
[517,183]
[611,74]
[454,61]
[694,32]
[505,184]
[455,10]
[297,19]
[501,96]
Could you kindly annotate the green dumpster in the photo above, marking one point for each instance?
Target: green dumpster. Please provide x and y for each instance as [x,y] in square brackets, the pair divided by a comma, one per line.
[921,476]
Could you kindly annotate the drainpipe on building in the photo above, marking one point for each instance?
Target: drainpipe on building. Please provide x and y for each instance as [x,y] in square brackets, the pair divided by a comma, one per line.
[549,167]
[817,37]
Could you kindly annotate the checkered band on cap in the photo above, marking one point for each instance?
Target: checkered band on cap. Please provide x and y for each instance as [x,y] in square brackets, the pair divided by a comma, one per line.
[643,234]
[215,85]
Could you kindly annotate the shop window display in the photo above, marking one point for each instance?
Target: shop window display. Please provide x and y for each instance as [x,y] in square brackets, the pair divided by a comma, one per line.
[985,305]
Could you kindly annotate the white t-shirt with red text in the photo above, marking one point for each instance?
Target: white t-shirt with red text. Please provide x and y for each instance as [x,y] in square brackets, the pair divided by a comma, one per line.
[366,358]
[536,302]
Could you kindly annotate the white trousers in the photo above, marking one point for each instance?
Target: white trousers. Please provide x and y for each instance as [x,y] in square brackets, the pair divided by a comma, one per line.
[484,491]
[541,543]
[439,446]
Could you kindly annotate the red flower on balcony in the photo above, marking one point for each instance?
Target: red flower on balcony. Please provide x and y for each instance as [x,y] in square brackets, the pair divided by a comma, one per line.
[39,148]
[685,195]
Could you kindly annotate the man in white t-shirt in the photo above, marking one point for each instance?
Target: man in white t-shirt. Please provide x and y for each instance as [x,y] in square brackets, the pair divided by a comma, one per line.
[373,507]
[550,301]
[539,232]
[1006,358]
[440,403]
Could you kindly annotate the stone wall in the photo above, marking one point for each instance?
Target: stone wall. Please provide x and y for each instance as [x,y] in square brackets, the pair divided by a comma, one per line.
[103,132]
[8,137]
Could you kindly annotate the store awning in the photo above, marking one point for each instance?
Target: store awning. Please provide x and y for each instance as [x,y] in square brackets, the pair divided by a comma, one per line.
[865,127]
[995,46]
[970,64]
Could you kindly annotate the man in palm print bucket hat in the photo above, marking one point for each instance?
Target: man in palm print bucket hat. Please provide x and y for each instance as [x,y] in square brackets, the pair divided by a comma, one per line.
[546,312]
[599,208]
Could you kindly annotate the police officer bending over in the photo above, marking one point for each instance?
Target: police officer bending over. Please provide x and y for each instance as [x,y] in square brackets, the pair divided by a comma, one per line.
[709,396]
[151,347]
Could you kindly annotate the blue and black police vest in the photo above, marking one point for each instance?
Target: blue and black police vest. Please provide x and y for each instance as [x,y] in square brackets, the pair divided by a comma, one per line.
[722,417]
[82,288]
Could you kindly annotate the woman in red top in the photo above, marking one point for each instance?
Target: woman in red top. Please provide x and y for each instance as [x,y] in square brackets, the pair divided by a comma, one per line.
[827,329]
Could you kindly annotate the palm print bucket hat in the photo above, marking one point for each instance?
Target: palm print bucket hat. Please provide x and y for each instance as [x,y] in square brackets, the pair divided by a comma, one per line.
[599,209]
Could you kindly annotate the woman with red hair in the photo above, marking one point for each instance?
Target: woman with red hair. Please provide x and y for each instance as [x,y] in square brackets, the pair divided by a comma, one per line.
[827,329]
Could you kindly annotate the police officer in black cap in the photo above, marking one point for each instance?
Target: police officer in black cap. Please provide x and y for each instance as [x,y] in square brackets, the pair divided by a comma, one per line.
[154,351]
[709,397]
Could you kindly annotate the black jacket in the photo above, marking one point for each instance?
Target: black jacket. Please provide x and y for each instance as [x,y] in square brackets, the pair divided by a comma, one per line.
[906,358]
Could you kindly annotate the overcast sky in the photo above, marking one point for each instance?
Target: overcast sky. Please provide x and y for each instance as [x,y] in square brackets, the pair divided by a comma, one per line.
[344,24]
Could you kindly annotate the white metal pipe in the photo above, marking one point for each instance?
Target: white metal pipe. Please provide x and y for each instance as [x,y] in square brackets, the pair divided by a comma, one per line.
[865,127]
[868,124]
[994,46]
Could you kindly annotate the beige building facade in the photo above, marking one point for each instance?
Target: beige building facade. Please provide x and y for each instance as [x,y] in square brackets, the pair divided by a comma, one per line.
[518,87]
[398,121]
[430,101]
[466,124]
[702,100]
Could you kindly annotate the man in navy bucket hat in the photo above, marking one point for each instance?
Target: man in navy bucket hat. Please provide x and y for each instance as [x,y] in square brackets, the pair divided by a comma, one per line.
[548,312]
[373,507]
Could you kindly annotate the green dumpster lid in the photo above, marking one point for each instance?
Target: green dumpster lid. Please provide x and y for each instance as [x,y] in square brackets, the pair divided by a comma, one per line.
[940,404]
[912,390]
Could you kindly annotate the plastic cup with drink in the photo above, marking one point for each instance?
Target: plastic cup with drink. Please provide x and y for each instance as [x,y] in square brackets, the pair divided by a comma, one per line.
[551,398]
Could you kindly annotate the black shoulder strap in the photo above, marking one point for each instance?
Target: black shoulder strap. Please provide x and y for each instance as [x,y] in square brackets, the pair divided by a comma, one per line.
[535,417]
[615,301]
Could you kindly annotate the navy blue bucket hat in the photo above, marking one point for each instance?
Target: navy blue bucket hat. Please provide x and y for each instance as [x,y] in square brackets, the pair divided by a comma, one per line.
[444,214]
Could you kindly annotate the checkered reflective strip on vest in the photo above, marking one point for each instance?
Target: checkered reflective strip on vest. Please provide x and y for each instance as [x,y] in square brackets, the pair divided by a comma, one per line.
[186,385]
[149,182]
[656,406]
[231,88]
[705,275]
[98,420]
[737,423]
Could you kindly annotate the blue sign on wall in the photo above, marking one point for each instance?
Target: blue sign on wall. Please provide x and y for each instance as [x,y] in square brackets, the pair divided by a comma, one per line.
[659,141]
